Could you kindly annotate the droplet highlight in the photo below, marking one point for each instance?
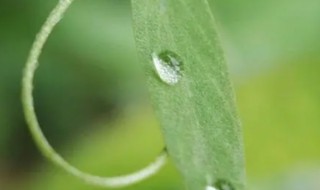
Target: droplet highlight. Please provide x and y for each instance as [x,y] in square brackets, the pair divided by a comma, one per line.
[223,185]
[210,188]
[168,66]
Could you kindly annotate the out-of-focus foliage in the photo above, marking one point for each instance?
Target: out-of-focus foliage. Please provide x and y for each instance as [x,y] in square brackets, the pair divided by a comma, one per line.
[89,76]
[259,34]
[280,111]
[114,151]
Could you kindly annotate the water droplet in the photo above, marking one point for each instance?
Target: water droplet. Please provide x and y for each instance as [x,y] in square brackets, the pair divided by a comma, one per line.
[168,66]
[210,188]
[223,185]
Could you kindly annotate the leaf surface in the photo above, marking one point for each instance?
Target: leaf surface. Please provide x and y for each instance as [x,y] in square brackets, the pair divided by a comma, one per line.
[197,114]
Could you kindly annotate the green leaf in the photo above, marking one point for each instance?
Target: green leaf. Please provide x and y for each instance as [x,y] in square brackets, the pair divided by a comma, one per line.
[196,109]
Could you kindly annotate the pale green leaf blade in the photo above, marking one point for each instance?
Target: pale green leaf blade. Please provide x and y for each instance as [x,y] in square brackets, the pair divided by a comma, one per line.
[197,115]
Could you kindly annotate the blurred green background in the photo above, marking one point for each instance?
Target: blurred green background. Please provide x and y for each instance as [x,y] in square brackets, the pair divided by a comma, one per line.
[94,109]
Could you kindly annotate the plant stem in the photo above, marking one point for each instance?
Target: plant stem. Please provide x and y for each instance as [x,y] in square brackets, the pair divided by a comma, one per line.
[37,134]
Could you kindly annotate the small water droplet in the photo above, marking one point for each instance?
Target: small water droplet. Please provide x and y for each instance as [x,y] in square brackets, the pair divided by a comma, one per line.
[223,185]
[168,66]
[210,188]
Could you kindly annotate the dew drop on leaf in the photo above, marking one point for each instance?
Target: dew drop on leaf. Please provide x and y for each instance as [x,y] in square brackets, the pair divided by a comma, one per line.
[168,66]
[210,188]
[223,185]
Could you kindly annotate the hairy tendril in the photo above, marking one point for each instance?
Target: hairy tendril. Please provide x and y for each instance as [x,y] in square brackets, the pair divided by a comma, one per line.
[37,134]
